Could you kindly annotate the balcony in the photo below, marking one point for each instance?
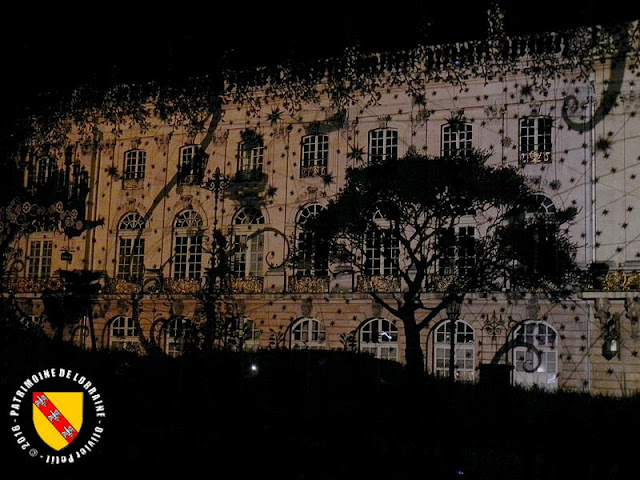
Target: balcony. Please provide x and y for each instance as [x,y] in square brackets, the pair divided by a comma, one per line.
[308,284]
[378,283]
[619,281]
[533,157]
[247,184]
[132,183]
[182,285]
[32,284]
[439,283]
[247,284]
[313,171]
[123,285]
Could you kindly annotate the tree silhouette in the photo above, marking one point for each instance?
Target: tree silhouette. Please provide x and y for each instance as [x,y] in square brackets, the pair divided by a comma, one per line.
[410,219]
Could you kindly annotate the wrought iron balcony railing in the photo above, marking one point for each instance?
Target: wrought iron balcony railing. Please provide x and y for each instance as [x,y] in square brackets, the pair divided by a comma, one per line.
[182,285]
[32,284]
[378,283]
[247,284]
[308,284]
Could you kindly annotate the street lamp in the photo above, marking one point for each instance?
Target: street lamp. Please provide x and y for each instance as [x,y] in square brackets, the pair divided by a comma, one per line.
[217,185]
[453,312]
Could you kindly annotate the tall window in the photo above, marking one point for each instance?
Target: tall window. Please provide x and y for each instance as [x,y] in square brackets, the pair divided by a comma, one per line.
[315,154]
[248,256]
[381,253]
[464,350]
[191,165]
[379,337]
[123,334]
[535,356]
[383,145]
[178,335]
[39,260]
[313,255]
[131,247]
[457,255]
[536,242]
[187,251]
[135,162]
[250,160]
[535,139]
[457,139]
[308,333]
[41,171]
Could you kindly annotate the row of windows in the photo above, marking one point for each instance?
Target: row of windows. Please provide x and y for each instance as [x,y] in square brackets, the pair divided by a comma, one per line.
[457,139]
[381,250]
[534,359]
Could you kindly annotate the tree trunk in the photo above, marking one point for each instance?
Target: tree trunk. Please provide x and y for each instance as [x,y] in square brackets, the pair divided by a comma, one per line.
[413,351]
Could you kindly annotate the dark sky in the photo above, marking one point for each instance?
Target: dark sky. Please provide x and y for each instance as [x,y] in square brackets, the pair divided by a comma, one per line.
[48,48]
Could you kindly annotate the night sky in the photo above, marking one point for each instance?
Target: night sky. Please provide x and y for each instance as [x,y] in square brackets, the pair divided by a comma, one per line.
[47,49]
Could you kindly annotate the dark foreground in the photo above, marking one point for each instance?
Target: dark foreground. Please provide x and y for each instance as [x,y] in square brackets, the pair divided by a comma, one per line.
[314,415]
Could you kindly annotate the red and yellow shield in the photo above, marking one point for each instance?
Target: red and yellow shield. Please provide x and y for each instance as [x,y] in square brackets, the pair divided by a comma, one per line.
[57,417]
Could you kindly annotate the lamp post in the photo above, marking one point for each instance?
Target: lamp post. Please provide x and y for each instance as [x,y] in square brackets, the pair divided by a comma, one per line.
[453,312]
[216,184]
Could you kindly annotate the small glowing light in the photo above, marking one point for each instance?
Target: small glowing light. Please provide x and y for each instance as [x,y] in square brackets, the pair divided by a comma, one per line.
[254,367]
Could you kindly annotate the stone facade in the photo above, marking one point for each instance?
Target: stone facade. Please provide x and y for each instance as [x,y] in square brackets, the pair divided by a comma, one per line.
[269,169]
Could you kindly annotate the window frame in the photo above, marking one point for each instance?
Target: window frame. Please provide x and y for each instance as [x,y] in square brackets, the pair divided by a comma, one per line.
[188,227]
[384,347]
[248,245]
[540,147]
[546,372]
[383,145]
[456,139]
[309,327]
[306,244]
[190,165]
[131,247]
[314,155]
[464,350]
[135,164]
[39,263]
[124,337]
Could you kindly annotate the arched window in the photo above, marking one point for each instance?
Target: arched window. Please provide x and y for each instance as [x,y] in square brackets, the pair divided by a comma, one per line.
[243,335]
[130,247]
[379,337]
[545,204]
[457,139]
[537,243]
[457,251]
[248,252]
[187,250]
[308,333]
[249,216]
[383,145]
[381,251]
[535,356]
[123,334]
[312,254]
[178,336]
[464,350]
[314,155]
